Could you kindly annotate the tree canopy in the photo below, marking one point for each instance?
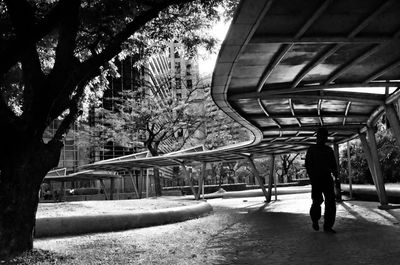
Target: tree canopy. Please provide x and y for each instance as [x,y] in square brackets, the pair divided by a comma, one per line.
[51,50]
[52,53]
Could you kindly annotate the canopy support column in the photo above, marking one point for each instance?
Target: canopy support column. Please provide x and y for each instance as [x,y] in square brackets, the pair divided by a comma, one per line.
[104,189]
[349,170]
[337,183]
[112,187]
[257,175]
[147,182]
[62,195]
[393,118]
[371,155]
[142,181]
[187,176]
[201,181]
[134,184]
[271,178]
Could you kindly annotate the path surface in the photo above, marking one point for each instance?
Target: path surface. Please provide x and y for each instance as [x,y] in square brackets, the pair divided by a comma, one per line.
[281,234]
[245,231]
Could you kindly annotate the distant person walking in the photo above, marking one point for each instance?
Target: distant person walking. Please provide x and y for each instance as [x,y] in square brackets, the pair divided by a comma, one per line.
[320,164]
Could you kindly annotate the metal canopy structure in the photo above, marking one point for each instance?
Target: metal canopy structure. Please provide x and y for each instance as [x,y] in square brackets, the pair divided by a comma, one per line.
[192,156]
[83,175]
[228,153]
[288,67]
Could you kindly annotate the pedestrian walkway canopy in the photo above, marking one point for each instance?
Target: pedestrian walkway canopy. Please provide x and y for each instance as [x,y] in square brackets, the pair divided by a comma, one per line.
[288,67]
[187,157]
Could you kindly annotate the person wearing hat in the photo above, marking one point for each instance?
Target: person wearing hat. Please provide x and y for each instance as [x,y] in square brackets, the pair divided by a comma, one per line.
[321,165]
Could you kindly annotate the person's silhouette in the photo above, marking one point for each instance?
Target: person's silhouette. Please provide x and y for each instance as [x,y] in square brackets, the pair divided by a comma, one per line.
[320,165]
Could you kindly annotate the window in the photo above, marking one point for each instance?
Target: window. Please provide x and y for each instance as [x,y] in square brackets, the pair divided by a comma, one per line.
[188,69]
[189,84]
[178,84]
[177,67]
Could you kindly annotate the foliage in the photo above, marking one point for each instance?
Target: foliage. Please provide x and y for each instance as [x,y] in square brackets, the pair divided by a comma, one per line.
[244,173]
[77,40]
[359,167]
[222,129]
[288,167]
[140,116]
[53,52]
[389,158]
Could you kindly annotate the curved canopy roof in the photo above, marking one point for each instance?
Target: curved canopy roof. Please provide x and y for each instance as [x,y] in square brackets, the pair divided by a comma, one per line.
[189,156]
[288,67]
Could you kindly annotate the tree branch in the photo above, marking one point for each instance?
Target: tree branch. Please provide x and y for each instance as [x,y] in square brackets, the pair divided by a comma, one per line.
[22,18]
[11,50]
[74,112]
[6,114]
[67,38]
[114,47]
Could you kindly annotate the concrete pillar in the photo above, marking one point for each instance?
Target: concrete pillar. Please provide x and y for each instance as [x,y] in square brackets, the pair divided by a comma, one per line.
[374,167]
[257,175]
[393,118]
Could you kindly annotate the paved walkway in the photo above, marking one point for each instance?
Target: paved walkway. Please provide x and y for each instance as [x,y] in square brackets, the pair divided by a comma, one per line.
[280,233]
[246,231]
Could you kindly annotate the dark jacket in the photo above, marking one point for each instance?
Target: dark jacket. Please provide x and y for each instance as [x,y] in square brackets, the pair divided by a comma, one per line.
[320,164]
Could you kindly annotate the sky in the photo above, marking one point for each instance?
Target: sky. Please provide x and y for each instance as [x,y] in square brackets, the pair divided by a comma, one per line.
[206,60]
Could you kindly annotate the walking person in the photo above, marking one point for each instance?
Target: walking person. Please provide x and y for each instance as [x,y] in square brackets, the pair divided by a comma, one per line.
[321,165]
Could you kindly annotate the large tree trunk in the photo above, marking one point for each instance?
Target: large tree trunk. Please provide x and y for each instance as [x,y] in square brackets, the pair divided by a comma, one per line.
[22,171]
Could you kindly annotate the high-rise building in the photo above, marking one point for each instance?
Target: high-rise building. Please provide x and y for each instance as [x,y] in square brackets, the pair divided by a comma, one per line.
[170,73]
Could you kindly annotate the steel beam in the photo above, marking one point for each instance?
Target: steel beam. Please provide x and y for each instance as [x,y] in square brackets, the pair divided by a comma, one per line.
[371,154]
[393,118]
[271,178]
[257,175]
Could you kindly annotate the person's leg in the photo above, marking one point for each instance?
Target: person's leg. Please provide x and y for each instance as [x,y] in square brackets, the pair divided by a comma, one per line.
[315,210]
[330,207]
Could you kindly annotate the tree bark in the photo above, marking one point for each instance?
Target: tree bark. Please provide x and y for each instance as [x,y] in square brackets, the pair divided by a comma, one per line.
[22,170]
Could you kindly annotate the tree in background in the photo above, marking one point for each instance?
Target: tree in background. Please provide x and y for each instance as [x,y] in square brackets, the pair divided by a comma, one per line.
[389,158]
[360,171]
[158,121]
[243,170]
[288,166]
[52,52]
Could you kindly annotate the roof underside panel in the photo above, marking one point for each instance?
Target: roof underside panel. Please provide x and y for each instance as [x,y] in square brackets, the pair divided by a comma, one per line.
[288,58]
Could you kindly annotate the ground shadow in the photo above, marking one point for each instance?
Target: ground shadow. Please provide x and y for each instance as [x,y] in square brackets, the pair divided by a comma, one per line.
[287,238]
